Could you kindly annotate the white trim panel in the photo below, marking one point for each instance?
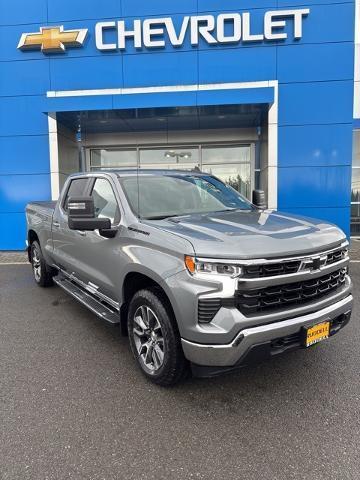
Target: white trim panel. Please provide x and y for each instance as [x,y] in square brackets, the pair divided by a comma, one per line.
[272,187]
[54,156]
[162,89]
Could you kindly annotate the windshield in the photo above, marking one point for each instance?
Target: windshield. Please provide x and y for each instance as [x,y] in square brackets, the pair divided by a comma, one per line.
[157,196]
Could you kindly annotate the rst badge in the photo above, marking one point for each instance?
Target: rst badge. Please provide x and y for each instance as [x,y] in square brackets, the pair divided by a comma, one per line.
[52,39]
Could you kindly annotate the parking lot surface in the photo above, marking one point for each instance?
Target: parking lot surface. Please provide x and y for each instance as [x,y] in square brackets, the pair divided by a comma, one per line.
[73,404]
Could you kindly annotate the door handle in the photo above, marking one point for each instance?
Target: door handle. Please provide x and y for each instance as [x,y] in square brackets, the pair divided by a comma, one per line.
[56,224]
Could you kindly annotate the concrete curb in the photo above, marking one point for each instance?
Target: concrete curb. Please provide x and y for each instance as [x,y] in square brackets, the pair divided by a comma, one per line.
[13,258]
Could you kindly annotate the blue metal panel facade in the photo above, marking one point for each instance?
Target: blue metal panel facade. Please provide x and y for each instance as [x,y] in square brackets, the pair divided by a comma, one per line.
[315,77]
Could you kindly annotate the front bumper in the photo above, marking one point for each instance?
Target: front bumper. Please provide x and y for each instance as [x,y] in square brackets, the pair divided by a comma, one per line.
[241,350]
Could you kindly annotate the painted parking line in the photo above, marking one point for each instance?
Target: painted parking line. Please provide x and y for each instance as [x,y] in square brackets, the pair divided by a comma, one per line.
[14,263]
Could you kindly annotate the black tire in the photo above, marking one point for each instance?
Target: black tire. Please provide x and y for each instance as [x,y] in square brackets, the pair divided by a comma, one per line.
[42,272]
[174,366]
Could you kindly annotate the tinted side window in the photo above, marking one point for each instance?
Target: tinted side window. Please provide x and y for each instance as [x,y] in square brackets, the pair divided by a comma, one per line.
[105,202]
[76,189]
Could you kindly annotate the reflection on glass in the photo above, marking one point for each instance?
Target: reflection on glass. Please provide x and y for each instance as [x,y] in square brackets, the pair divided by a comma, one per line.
[230,163]
[355,220]
[237,176]
[169,166]
[226,154]
[113,158]
[355,185]
[356,148]
[172,156]
[355,210]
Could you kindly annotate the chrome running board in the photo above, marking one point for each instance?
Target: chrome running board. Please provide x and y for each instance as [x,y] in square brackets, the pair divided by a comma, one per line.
[101,309]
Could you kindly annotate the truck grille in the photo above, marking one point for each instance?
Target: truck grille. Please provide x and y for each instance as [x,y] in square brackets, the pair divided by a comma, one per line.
[271,269]
[208,308]
[288,267]
[281,296]
[336,256]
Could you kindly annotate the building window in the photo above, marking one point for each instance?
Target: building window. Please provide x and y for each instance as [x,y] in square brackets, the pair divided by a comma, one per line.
[112,158]
[231,163]
[355,187]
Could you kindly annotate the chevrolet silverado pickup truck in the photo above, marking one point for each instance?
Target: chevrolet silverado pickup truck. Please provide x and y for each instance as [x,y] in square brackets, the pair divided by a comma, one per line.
[199,278]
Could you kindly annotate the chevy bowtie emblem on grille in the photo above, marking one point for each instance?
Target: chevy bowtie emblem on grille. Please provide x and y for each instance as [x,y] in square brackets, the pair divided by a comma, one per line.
[52,39]
[316,263]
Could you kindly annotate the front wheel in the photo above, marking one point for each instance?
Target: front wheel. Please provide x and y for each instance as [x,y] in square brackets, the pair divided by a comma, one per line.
[42,272]
[154,338]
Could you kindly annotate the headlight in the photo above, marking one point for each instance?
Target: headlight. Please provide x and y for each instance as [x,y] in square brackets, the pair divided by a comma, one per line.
[212,267]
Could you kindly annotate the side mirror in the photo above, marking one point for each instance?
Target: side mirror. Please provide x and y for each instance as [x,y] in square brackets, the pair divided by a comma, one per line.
[258,199]
[81,215]
[81,207]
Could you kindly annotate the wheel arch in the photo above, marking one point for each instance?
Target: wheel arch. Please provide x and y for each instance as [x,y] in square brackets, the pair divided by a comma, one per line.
[32,237]
[133,282]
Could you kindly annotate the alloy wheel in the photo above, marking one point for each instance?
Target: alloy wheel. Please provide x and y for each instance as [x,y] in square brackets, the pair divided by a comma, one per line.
[148,338]
[36,263]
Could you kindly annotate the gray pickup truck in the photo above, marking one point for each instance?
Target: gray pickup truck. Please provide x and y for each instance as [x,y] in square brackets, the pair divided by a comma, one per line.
[197,276]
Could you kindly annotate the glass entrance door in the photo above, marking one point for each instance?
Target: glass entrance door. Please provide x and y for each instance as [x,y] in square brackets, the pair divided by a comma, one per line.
[233,164]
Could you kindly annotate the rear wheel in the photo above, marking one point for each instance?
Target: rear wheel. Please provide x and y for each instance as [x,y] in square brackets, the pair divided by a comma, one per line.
[42,272]
[154,338]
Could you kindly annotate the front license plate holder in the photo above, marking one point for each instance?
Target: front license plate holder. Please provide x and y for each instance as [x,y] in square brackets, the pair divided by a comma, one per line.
[316,333]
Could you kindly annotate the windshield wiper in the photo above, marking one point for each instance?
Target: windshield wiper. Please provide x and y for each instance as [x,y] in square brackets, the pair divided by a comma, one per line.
[160,217]
[231,210]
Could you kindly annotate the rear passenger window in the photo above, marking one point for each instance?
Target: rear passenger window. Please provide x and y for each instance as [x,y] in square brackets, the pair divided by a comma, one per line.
[76,189]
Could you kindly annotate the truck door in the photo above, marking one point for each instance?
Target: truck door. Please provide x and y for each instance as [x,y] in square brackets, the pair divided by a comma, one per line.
[99,258]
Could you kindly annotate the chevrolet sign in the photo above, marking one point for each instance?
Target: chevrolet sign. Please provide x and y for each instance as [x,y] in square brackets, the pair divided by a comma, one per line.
[153,33]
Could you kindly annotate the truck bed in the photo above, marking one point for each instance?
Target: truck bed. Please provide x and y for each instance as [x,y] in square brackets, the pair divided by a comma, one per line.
[39,217]
[49,205]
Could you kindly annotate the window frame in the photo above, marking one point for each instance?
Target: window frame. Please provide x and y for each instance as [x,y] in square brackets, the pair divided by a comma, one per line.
[91,188]
[86,189]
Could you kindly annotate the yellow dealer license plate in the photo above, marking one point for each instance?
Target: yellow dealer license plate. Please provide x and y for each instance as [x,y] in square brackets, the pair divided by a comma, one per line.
[317,333]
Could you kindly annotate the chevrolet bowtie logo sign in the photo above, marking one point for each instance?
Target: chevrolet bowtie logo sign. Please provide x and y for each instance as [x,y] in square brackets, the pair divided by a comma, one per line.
[154,33]
[52,39]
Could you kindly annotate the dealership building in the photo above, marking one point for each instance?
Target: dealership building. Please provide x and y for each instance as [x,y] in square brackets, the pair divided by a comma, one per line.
[261,93]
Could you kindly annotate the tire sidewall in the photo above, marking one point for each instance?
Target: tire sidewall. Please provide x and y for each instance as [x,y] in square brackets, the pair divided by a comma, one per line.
[152,300]
[44,279]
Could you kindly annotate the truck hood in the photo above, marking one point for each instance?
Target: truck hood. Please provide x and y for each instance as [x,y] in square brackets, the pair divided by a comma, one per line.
[253,234]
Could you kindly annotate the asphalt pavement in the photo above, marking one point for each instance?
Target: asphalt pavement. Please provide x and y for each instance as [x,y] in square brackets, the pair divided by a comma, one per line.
[73,405]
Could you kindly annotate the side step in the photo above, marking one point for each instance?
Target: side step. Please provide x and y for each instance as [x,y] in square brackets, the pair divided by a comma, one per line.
[102,310]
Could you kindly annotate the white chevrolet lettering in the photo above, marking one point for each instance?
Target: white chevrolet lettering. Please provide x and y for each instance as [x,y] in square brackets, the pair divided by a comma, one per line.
[247,36]
[123,34]
[150,30]
[177,40]
[198,29]
[270,24]
[298,21]
[220,29]
[99,36]
[235,19]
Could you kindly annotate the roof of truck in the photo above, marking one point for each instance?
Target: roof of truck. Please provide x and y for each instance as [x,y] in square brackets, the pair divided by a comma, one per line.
[148,171]
[126,172]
